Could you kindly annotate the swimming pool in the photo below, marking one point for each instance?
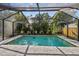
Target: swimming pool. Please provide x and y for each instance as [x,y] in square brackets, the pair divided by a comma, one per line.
[40,41]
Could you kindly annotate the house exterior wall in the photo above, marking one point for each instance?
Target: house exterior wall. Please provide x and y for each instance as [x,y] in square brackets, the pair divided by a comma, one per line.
[8,26]
[0,27]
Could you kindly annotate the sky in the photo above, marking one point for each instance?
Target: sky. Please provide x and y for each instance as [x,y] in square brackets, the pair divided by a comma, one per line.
[34,4]
[77,13]
[51,13]
[40,5]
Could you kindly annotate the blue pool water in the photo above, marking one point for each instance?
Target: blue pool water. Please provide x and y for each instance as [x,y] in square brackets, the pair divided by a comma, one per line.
[40,41]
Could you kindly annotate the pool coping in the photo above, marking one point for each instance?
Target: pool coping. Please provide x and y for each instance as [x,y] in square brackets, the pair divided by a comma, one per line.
[73,42]
[13,38]
[10,39]
[16,50]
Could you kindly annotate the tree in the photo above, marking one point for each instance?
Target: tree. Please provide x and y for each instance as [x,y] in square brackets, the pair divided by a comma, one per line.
[20,26]
[59,20]
[40,23]
[44,26]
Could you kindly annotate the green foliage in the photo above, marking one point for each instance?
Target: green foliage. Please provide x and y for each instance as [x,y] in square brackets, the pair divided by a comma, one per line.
[44,26]
[59,20]
[19,17]
[40,24]
[20,26]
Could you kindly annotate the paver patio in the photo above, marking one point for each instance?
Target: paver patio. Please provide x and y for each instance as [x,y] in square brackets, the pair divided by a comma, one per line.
[24,50]
[43,50]
[70,50]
